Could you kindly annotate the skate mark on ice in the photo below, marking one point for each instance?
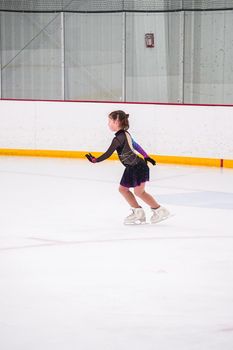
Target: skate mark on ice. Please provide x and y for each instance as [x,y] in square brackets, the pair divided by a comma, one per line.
[56,243]
[62,177]
[230,329]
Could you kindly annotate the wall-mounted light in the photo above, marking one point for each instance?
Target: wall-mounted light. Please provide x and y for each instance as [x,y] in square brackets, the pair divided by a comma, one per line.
[149,40]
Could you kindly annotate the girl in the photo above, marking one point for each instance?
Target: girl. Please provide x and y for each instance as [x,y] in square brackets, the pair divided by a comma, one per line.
[136,170]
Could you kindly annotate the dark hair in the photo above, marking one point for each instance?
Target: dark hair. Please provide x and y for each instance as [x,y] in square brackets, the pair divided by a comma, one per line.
[122,117]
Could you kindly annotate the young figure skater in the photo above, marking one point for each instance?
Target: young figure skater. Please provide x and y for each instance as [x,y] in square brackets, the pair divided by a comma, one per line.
[136,170]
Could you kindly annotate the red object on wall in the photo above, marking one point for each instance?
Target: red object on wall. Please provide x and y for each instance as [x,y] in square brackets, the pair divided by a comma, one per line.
[149,40]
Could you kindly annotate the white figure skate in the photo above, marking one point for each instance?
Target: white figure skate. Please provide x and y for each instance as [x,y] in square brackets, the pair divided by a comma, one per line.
[137,217]
[159,214]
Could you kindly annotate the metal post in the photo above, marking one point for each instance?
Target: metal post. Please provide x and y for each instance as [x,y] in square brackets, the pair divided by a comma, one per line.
[123,56]
[182,51]
[0,57]
[62,57]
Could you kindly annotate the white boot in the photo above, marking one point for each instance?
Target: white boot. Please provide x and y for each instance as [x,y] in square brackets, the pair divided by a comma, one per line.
[137,217]
[159,214]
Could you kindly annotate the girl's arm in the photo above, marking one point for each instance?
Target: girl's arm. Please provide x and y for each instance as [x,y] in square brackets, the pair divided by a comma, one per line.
[105,155]
[140,150]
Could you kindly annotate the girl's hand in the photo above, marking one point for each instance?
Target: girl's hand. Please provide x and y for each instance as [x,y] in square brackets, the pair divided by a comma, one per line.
[90,157]
[148,159]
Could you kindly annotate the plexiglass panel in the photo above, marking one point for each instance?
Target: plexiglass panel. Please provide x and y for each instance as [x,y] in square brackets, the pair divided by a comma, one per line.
[93,56]
[31,55]
[154,73]
[104,56]
[208,61]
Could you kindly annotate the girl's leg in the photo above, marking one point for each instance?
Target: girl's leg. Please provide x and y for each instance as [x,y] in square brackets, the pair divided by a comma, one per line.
[140,192]
[128,195]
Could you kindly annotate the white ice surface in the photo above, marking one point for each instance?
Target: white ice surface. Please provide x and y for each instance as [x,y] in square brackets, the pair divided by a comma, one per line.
[72,276]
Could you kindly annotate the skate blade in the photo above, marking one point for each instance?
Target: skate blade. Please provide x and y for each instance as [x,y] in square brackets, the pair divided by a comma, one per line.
[163,219]
[136,223]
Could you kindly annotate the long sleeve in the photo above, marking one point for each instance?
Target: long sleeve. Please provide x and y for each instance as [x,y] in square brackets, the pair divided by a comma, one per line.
[110,150]
[139,149]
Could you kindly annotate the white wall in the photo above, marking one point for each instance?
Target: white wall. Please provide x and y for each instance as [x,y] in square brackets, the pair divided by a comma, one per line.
[194,131]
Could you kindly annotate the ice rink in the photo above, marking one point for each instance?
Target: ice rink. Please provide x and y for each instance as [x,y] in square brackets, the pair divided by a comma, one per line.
[72,276]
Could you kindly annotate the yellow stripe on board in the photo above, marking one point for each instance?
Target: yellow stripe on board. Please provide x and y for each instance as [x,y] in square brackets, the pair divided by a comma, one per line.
[188,160]
[226,163]
[42,153]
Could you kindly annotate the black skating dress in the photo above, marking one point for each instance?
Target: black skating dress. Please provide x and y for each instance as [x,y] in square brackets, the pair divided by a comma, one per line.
[136,169]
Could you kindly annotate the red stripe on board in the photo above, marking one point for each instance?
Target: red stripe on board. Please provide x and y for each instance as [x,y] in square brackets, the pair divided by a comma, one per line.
[221,163]
[121,102]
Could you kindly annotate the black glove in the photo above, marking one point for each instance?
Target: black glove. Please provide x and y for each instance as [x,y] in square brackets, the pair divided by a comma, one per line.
[148,159]
[90,157]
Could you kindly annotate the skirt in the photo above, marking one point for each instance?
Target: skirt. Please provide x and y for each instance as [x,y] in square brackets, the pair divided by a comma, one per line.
[135,175]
